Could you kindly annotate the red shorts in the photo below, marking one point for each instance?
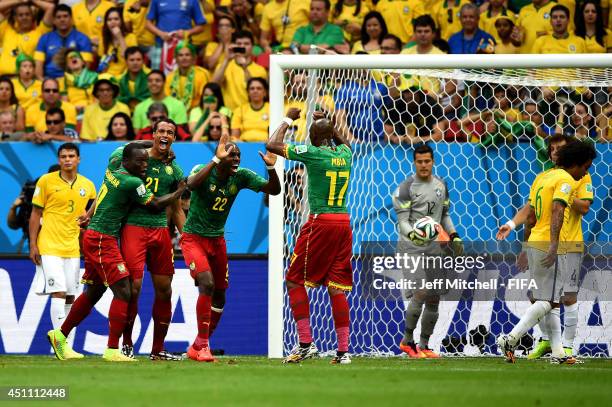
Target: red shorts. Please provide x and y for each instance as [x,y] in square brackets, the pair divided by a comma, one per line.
[206,254]
[103,261]
[141,244]
[323,252]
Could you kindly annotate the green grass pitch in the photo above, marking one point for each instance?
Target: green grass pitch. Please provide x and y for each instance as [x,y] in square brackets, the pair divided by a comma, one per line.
[257,381]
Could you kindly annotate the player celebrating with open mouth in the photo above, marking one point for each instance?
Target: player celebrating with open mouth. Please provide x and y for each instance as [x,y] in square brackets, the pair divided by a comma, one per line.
[214,189]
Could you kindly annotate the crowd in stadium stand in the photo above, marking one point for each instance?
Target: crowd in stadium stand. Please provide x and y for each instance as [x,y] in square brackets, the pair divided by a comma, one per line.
[94,70]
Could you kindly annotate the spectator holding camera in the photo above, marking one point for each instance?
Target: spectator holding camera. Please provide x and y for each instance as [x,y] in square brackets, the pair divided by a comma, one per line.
[215,52]
[236,69]
[283,18]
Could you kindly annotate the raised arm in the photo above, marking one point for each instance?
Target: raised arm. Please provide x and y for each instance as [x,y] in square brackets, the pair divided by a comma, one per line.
[195,181]
[273,187]
[276,143]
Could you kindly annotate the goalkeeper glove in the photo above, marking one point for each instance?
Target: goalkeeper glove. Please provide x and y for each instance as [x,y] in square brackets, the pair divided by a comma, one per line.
[456,244]
[416,239]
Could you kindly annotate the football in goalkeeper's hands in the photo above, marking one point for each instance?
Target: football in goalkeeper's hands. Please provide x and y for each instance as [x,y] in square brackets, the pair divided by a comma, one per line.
[426,229]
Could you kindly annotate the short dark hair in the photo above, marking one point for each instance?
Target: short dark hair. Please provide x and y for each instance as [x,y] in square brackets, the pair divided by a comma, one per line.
[226,17]
[157,72]
[423,149]
[577,153]
[326,2]
[263,83]
[131,51]
[68,146]
[128,151]
[165,120]
[56,110]
[394,38]
[424,21]
[62,7]
[558,138]
[243,34]
[560,7]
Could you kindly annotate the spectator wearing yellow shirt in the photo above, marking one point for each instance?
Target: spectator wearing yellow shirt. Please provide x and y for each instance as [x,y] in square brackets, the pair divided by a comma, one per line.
[35,115]
[98,115]
[447,15]
[28,89]
[560,41]
[236,69]
[533,22]
[215,50]
[282,18]
[89,18]
[135,16]
[349,15]
[399,14]
[19,33]
[115,40]
[507,38]
[488,18]
[250,121]
[78,81]
[373,30]
[590,27]
[9,102]
[133,87]
[187,81]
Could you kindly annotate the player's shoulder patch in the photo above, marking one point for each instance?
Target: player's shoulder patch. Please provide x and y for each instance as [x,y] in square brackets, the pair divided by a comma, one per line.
[300,149]
[566,188]
[589,187]
[141,190]
[196,168]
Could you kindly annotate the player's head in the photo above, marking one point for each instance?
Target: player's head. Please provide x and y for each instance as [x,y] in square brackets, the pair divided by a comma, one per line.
[555,143]
[69,157]
[576,158]
[321,132]
[134,159]
[233,162]
[423,161]
[164,134]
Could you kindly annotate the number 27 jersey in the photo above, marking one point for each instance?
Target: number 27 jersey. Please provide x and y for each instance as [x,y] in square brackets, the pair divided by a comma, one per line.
[329,170]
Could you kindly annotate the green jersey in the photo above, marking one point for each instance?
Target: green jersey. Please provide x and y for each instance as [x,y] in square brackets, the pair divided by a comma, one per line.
[118,191]
[211,202]
[329,170]
[161,179]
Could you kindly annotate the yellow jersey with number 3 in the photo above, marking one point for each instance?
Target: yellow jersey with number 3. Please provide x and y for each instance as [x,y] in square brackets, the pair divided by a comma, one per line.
[62,203]
[553,185]
[572,223]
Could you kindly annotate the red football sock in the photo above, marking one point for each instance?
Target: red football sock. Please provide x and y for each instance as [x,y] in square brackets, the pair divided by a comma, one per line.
[203,315]
[117,316]
[340,311]
[129,325]
[298,301]
[215,316]
[79,311]
[162,314]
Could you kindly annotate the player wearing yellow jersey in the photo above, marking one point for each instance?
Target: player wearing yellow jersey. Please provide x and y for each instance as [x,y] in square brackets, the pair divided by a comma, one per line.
[549,198]
[60,198]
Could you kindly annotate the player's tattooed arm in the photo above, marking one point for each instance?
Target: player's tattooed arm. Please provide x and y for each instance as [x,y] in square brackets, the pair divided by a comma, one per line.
[160,203]
[556,223]
[276,143]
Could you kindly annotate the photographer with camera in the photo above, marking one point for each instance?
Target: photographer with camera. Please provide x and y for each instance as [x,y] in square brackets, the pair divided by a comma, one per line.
[236,69]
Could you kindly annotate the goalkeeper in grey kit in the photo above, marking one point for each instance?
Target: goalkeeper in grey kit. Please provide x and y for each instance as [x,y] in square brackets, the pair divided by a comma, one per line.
[422,194]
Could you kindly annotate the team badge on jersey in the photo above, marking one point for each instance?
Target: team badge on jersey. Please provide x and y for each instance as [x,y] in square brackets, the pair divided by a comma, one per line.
[192,266]
[99,19]
[212,187]
[589,187]
[301,149]
[264,117]
[406,10]
[546,16]
[82,192]
[233,190]
[438,193]
[34,94]
[121,268]
[572,48]
[51,282]
[169,170]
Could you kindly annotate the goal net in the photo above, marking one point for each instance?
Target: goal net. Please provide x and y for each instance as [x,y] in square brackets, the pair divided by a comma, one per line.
[488,128]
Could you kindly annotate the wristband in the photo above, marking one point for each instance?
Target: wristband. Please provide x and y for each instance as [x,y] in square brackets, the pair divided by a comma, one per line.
[288,121]
[224,126]
[270,167]
[454,236]
[216,159]
[511,224]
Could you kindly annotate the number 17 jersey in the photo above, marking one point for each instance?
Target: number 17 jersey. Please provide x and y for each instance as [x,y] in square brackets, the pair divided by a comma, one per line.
[329,171]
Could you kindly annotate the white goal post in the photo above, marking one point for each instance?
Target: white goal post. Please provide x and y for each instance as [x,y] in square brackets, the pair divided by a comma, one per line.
[277,93]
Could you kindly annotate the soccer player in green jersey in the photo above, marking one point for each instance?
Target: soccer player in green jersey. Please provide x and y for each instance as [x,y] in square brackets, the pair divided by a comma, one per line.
[145,238]
[104,265]
[322,254]
[214,188]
